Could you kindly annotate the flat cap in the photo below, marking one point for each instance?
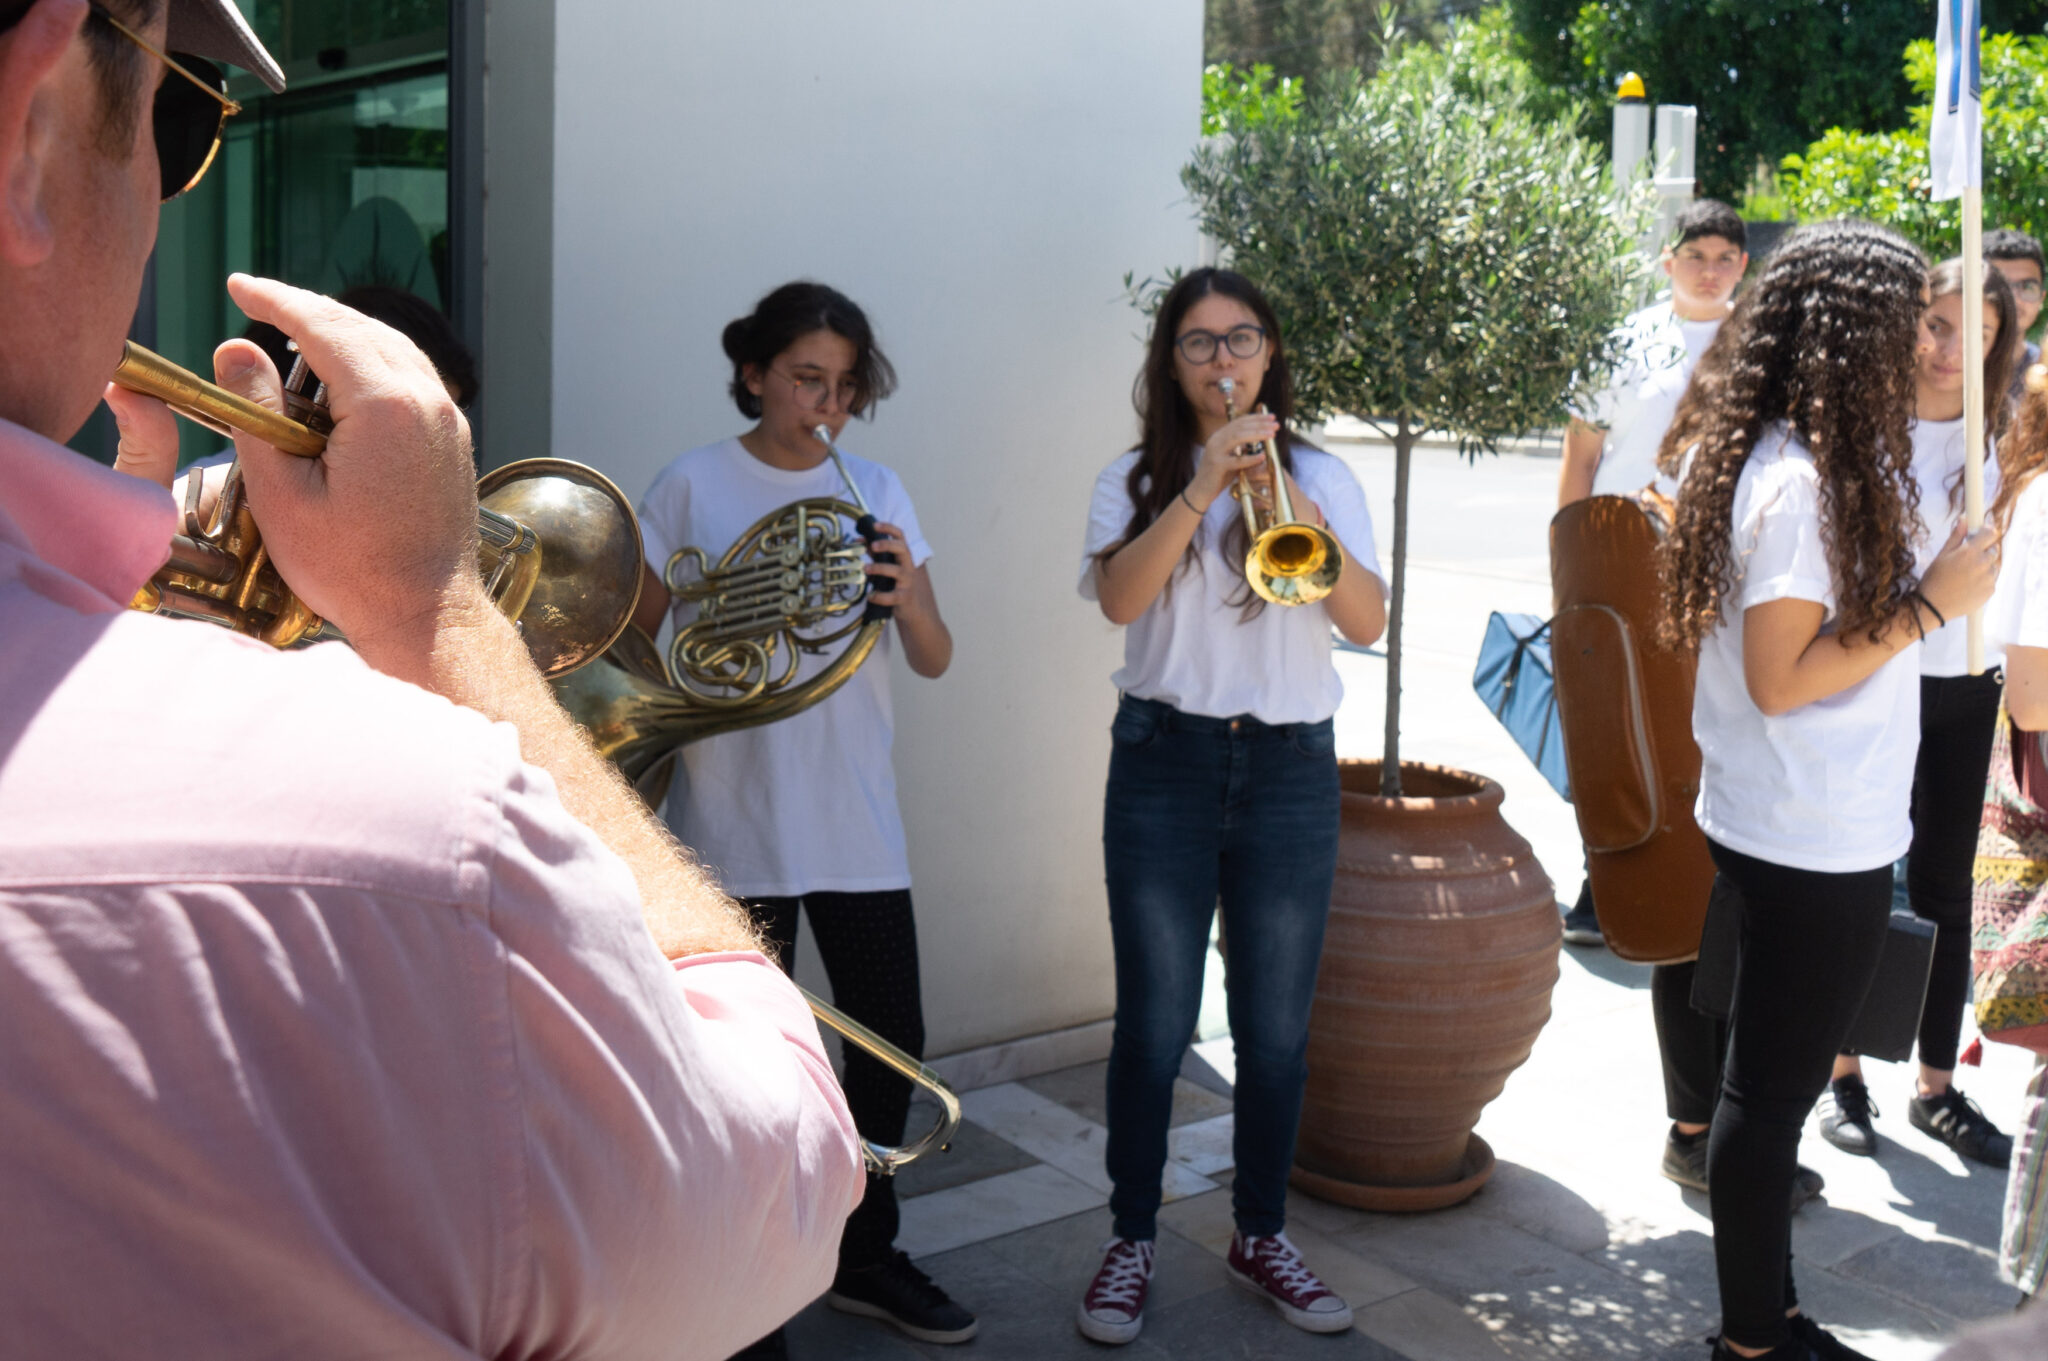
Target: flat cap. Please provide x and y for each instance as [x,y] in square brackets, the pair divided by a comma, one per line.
[216,30]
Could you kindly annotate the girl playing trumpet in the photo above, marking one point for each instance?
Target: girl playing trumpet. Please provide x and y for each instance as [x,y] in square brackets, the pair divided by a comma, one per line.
[1222,778]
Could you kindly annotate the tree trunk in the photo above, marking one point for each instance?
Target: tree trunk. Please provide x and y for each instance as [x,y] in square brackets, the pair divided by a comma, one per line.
[1390,765]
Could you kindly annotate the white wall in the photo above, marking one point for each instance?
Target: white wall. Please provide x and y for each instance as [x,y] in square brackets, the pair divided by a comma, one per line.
[978,177]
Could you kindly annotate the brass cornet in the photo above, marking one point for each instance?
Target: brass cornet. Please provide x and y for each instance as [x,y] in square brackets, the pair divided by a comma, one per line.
[559,548]
[1290,562]
[557,543]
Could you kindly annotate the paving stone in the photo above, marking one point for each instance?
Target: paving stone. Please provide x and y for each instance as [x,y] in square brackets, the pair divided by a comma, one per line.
[1956,1278]
[979,1210]
[1873,1320]
[1538,1204]
[1421,1324]
[1081,1090]
[1059,1136]
[975,1153]
[1827,1234]
[1021,1318]
[822,1333]
[1063,1256]
[1532,1292]
[1203,1146]
[1228,1324]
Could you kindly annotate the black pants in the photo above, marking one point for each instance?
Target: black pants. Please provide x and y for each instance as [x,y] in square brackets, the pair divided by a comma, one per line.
[868,945]
[1691,1044]
[1809,944]
[1957,718]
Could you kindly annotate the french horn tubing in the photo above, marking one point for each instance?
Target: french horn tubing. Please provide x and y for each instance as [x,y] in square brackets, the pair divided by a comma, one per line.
[1290,562]
[560,551]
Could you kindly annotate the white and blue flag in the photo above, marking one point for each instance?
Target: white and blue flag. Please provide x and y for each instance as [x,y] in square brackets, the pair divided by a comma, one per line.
[1956,138]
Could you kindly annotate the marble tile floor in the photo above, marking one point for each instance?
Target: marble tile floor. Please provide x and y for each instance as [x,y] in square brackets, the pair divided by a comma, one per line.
[1572,1251]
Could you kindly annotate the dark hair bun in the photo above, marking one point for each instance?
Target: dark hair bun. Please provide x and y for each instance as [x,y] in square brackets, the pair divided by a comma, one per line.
[786,316]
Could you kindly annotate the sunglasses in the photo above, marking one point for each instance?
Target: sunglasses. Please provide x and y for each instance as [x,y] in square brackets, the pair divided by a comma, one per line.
[188,114]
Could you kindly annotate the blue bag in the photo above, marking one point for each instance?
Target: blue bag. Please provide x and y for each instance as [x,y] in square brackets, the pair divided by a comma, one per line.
[1515,681]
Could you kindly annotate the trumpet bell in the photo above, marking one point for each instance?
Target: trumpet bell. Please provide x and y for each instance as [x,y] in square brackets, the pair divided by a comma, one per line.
[1294,563]
[573,590]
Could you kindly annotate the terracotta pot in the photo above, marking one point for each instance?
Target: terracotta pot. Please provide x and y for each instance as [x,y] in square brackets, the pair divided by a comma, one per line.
[1437,969]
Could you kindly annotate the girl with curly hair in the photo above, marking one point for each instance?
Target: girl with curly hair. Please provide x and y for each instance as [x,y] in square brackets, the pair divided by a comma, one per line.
[1957,714]
[1792,570]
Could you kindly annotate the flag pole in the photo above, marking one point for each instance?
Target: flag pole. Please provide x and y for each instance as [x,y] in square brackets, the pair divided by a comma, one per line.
[1973,393]
[1955,145]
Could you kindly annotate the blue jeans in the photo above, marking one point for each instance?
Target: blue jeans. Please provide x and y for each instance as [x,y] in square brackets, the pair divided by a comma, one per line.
[1201,810]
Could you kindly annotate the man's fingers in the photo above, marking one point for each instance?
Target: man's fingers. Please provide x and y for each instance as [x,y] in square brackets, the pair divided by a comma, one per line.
[245,370]
[149,436]
[338,342]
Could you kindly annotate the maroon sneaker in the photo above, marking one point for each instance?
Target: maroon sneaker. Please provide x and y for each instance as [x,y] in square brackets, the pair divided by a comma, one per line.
[1272,1268]
[1114,1308]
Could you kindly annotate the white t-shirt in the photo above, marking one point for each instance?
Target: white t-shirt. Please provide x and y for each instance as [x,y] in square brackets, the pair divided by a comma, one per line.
[1938,468]
[2018,613]
[1192,649]
[1827,786]
[807,803]
[1641,397]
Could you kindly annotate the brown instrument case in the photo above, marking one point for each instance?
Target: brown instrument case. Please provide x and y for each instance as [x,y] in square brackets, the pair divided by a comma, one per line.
[1625,707]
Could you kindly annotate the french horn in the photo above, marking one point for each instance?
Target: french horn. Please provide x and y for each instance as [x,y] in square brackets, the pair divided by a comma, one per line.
[560,551]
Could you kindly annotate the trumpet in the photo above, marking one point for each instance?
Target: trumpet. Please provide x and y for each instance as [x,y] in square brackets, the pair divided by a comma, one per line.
[1290,562]
[570,601]
[559,548]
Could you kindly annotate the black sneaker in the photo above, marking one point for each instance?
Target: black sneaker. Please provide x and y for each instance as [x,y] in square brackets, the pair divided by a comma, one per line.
[1845,1115]
[895,1291]
[1807,1184]
[1822,1343]
[1685,1162]
[1685,1159]
[1582,923]
[1955,1120]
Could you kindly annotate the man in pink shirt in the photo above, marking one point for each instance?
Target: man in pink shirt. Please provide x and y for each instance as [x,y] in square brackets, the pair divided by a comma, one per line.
[348,1003]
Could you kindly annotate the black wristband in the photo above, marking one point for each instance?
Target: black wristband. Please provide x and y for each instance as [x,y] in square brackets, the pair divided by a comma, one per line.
[1199,512]
[1940,619]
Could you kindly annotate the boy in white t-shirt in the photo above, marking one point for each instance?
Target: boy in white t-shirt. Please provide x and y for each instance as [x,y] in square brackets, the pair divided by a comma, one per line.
[1611,444]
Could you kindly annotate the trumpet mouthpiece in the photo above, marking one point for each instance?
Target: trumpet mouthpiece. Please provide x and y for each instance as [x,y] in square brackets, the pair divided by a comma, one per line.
[1229,385]
[822,434]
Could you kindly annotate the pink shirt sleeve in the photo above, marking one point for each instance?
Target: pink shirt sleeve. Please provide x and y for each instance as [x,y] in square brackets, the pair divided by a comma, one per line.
[677,1112]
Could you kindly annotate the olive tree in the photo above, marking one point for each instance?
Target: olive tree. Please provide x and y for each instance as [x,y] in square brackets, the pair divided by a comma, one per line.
[1440,259]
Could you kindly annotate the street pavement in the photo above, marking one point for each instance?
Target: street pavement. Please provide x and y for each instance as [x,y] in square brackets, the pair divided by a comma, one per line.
[1577,1248]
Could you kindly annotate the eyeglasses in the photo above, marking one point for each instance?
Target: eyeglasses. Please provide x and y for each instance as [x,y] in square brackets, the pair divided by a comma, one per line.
[812,391]
[188,114]
[1199,347]
[2028,290]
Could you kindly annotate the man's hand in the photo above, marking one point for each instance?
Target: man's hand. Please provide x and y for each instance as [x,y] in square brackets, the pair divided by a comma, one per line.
[377,534]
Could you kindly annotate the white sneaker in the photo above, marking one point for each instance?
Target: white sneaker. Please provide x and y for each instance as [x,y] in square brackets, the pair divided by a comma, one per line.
[1113,1310]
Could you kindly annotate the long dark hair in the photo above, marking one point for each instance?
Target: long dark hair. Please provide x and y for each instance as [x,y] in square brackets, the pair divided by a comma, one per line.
[1945,279]
[1824,340]
[1169,442]
[789,314]
[2024,454]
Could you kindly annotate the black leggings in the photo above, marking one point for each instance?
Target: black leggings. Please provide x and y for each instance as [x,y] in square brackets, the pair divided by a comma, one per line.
[1957,716]
[1690,1043]
[868,945]
[1788,1022]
